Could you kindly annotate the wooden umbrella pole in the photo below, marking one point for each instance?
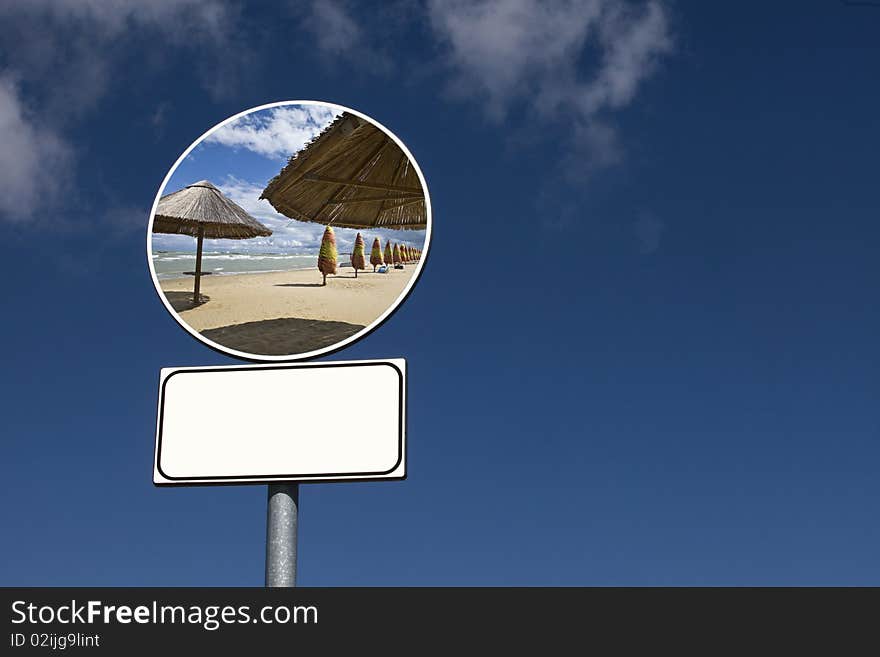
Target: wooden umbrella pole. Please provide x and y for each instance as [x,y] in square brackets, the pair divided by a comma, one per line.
[198,265]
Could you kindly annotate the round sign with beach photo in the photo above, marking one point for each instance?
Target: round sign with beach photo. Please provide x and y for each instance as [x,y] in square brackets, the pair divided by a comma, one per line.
[289,231]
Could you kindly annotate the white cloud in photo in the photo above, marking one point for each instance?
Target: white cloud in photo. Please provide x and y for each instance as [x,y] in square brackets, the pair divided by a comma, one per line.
[292,236]
[275,133]
[288,235]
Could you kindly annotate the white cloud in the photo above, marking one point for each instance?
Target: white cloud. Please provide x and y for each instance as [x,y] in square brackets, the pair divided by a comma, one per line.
[571,61]
[120,220]
[339,35]
[648,229]
[64,56]
[180,18]
[33,159]
[276,133]
[512,52]
[632,43]
[72,45]
[335,31]
[507,49]
[159,118]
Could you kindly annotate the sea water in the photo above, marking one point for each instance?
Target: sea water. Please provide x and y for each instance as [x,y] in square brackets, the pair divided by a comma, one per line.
[174,264]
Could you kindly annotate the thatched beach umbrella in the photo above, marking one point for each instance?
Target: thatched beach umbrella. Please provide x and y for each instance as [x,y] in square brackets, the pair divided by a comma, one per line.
[202,211]
[396,255]
[352,175]
[327,255]
[357,255]
[389,253]
[376,253]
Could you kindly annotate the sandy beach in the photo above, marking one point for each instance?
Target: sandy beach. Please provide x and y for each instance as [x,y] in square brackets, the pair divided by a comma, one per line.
[286,312]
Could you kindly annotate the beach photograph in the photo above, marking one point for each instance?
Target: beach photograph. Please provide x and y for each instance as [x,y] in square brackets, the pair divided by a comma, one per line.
[289,230]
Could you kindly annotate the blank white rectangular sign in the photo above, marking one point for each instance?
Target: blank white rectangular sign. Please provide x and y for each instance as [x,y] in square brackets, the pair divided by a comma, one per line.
[264,423]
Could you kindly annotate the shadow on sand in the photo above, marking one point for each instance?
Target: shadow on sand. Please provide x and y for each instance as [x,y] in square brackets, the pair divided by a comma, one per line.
[280,337]
[181,301]
[298,285]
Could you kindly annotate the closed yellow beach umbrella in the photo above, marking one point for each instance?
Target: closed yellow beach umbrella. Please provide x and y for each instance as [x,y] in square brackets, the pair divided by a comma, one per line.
[327,256]
[389,257]
[396,255]
[376,254]
[357,255]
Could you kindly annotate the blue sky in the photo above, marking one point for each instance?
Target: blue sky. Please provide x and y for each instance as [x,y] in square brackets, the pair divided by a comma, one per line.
[643,349]
[241,157]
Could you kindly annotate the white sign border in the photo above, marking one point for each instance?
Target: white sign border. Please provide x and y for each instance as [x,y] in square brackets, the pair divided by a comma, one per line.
[397,473]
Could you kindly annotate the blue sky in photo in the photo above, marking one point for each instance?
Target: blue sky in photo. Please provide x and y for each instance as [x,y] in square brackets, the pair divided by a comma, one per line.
[644,346]
[240,158]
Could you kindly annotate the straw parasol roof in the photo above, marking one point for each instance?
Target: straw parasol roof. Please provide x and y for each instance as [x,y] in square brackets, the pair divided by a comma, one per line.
[201,205]
[352,175]
[202,211]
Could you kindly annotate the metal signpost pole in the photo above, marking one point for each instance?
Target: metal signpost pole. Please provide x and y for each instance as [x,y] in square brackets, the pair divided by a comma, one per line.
[281,518]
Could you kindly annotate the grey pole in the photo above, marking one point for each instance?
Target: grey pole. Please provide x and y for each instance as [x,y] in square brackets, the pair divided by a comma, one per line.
[281,518]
